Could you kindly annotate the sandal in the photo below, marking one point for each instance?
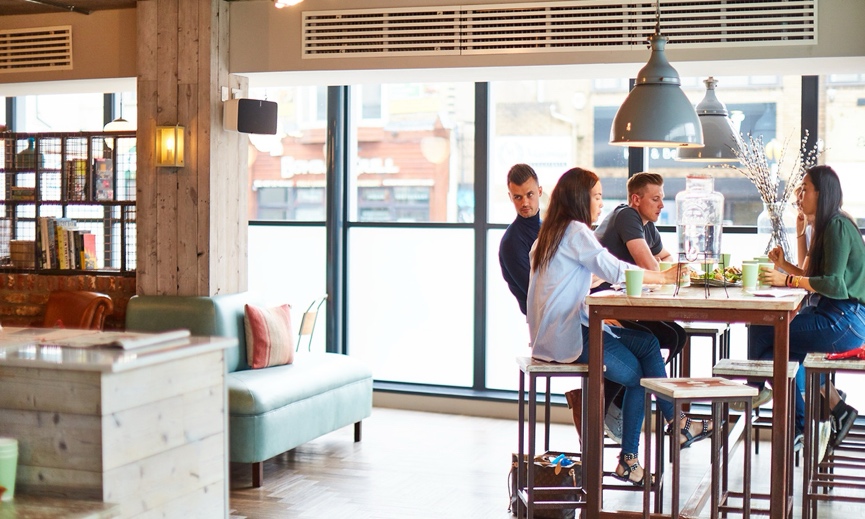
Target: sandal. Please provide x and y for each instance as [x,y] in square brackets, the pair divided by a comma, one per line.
[691,438]
[628,468]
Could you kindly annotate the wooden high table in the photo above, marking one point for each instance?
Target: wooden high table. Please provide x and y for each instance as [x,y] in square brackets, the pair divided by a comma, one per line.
[730,305]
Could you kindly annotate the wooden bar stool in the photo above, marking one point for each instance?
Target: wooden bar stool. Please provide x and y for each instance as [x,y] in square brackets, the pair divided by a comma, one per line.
[719,333]
[760,371]
[543,498]
[840,475]
[530,496]
[720,392]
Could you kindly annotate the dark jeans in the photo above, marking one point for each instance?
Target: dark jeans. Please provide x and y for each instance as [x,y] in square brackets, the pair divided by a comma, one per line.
[631,356]
[832,326]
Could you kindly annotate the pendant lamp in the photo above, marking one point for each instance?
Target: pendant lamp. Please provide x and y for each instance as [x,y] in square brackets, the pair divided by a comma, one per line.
[118,125]
[656,112]
[721,141]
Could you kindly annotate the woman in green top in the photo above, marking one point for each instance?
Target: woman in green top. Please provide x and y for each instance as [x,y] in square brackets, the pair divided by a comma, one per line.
[836,260]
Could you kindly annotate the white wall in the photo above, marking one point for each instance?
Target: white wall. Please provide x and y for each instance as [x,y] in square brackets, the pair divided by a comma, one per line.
[266,40]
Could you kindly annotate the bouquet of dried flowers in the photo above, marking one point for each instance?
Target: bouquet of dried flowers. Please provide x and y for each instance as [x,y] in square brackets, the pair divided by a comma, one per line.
[755,166]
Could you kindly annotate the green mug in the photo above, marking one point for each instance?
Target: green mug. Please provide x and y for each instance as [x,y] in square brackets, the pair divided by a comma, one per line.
[750,270]
[634,282]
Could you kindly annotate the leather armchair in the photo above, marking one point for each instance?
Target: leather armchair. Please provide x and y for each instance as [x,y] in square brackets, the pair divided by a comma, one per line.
[77,309]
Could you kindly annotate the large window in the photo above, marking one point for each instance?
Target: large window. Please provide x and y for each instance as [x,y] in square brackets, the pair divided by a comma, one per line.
[287,171]
[59,113]
[549,126]
[415,153]
[412,233]
[410,301]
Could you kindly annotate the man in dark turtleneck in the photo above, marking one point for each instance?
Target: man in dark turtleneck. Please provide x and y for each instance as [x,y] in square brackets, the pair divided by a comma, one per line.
[525,193]
[514,259]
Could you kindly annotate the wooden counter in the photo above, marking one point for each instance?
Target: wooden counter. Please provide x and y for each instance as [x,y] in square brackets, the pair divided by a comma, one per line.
[26,506]
[146,431]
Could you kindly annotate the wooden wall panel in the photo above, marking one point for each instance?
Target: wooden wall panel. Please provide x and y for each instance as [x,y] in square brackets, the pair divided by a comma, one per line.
[121,391]
[150,483]
[160,426]
[192,234]
[145,188]
[56,439]
[33,389]
[69,483]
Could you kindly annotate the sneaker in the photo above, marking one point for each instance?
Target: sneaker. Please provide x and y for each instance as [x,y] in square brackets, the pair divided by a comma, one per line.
[613,423]
[798,442]
[763,398]
[843,415]
[823,438]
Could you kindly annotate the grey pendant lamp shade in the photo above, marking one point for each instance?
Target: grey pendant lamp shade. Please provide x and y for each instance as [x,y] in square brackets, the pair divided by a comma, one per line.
[720,139]
[656,112]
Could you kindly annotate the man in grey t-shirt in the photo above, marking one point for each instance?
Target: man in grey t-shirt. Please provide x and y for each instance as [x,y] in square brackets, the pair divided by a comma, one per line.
[629,233]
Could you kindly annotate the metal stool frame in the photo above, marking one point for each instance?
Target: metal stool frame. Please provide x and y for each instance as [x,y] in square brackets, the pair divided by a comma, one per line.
[527,493]
[760,371]
[721,394]
[819,476]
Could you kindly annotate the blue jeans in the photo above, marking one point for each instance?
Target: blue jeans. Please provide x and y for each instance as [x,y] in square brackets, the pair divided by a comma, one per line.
[832,326]
[630,357]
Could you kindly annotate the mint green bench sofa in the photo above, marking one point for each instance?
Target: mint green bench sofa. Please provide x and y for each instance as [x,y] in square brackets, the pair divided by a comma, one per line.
[271,410]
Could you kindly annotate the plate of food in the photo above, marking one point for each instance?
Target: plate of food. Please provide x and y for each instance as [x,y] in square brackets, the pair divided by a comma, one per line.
[730,276]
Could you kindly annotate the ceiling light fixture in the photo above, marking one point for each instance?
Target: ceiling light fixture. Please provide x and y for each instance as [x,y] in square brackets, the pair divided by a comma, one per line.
[721,140]
[279,4]
[656,112]
[118,125]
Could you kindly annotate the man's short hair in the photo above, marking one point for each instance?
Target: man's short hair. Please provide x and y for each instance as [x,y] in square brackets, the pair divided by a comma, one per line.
[638,182]
[520,173]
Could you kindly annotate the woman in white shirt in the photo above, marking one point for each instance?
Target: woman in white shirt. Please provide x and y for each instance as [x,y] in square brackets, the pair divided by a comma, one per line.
[564,257]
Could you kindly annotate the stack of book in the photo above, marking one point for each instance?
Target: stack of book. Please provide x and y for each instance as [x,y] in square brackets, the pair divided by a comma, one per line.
[62,245]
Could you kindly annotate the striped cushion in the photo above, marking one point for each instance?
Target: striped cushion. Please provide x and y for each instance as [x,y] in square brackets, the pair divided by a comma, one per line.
[269,337]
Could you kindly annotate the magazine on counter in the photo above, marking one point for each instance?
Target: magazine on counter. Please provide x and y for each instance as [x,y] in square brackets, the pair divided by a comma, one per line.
[95,339]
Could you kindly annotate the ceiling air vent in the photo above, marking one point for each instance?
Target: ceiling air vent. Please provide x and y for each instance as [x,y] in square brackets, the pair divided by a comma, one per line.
[37,49]
[555,26]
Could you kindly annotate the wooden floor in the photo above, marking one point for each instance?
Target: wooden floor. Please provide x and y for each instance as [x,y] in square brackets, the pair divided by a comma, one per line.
[425,465]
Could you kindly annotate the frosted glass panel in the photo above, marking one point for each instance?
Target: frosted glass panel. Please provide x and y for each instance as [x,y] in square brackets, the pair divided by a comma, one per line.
[410,304]
[507,330]
[287,265]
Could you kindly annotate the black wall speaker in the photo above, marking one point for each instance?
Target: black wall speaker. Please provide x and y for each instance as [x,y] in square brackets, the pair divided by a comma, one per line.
[250,116]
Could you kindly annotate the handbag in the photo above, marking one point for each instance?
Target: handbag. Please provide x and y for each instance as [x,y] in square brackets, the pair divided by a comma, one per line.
[551,470]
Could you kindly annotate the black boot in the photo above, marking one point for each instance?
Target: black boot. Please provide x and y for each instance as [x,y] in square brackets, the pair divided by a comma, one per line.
[843,417]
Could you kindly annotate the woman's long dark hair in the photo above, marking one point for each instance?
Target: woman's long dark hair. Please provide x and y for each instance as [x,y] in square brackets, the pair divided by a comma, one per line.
[829,200]
[571,200]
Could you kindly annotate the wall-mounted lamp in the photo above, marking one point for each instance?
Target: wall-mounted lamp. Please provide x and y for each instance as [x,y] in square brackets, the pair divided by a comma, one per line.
[169,146]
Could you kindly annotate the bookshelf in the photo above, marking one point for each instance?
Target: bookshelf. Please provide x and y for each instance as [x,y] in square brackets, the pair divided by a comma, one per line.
[64,194]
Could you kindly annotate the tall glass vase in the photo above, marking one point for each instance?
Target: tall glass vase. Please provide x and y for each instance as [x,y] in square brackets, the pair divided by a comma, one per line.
[776,224]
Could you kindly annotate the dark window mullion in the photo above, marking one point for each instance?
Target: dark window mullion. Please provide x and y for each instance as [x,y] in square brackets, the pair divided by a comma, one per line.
[481,219]
[337,138]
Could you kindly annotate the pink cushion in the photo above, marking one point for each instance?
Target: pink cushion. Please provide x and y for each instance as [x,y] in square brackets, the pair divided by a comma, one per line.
[269,336]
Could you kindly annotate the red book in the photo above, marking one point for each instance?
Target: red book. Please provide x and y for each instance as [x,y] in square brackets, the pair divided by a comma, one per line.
[88,261]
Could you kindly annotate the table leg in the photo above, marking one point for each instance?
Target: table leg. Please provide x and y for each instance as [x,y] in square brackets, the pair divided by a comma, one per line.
[593,445]
[781,435]
[530,462]
[521,418]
